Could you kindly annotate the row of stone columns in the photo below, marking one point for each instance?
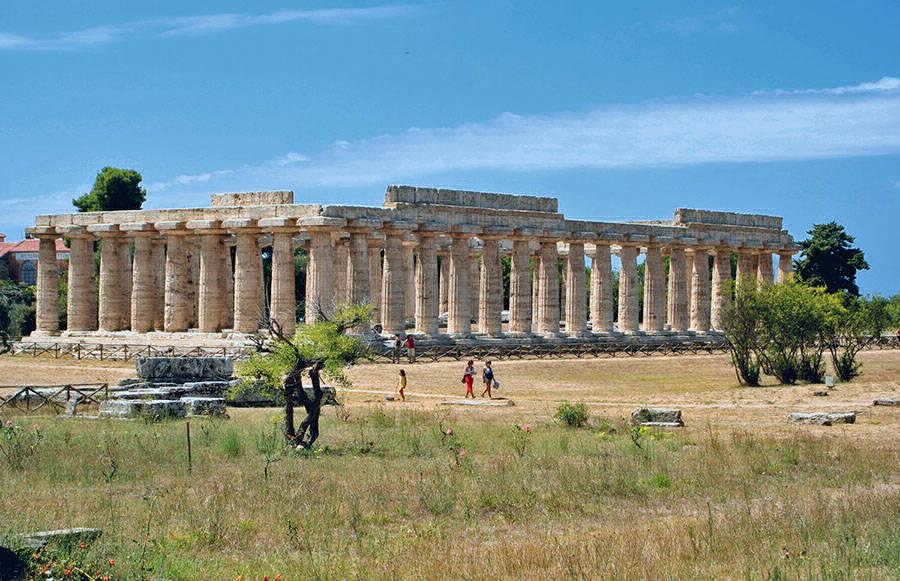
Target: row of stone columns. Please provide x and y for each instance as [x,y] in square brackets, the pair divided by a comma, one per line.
[181,278]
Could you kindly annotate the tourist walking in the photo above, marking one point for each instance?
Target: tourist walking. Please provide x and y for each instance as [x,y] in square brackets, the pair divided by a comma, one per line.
[398,345]
[401,384]
[469,378]
[487,376]
[410,349]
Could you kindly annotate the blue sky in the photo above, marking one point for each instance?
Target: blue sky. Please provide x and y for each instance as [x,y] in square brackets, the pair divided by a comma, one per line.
[623,110]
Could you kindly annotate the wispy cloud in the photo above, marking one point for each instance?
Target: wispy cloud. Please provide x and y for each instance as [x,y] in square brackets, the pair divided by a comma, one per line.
[816,124]
[203,24]
[724,20]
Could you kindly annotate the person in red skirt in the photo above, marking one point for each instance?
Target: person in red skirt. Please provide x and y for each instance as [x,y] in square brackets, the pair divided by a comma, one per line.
[469,378]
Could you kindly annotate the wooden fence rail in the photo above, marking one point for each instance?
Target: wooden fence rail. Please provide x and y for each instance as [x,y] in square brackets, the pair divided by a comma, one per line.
[435,352]
[21,398]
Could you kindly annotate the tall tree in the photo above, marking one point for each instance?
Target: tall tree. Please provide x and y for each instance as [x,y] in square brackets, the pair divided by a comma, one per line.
[114,189]
[829,259]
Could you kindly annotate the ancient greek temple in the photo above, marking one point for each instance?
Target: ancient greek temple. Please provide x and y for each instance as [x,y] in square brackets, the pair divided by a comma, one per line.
[427,254]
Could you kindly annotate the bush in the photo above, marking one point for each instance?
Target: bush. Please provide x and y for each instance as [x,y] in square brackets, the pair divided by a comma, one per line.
[18,444]
[573,415]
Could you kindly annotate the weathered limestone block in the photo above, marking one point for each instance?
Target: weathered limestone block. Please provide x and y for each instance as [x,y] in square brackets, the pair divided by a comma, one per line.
[823,418]
[657,417]
[184,368]
[887,402]
[150,409]
[62,537]
[204,406]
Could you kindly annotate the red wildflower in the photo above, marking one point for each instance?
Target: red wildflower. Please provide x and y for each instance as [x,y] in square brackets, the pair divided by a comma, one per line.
[83,546]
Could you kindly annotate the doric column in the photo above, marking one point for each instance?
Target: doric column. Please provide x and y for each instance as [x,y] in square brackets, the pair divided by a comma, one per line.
[700,302]
[459,316]
[745,268]
[548,290]
[192,250]
[785,265]
[177,309]
[341,260]
[520,284]
[628,289]
[158,249]
[678,297]
[576,287]
[210,285]
[358,265]
[721,287]
[490,286]
[112,297]
[283,295]
[426,284]
[654,290]
[143,291]
[535,290]
[125,281]
[375,268]
[601,289]
[47,311]
[393,279]
[320,268]
[764,267]
[444,282]
[227,270]
[81,310]
[247,274]
[563,284]
[409,278]
[474,279]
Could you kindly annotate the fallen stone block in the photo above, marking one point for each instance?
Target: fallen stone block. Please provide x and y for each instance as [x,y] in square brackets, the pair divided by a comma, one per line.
[139,408]
[657,416]
[184,368]
[65,537]
[152,393]
[822,418]
[205,406]
[887,401]
[820,393]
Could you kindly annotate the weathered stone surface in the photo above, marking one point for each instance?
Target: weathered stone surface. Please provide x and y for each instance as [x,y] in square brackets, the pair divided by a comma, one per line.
[252,199]
[820,393]
[204,406]
[69,537]
[887,401]
[657,416]
[151,409]
[823,418]
[185,368]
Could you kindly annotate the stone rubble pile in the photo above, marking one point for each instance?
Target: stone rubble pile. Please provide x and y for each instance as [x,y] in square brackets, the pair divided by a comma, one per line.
[173,387]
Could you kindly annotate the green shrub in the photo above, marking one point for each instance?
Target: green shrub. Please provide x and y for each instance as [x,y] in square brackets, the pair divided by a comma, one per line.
[574,415]
[231,444]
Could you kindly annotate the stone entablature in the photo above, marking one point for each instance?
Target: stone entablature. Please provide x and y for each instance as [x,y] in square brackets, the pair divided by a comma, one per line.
[425,252]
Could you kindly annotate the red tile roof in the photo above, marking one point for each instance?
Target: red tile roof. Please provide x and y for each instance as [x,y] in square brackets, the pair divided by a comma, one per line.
[29,245]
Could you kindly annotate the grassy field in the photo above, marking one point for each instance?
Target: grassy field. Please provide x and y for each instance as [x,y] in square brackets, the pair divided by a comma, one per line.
[736,494]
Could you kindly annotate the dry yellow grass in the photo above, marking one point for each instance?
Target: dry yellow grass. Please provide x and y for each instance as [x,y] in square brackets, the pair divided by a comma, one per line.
[736,494]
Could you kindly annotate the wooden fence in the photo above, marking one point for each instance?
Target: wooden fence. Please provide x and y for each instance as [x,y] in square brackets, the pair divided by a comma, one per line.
[22,398]
[433,352]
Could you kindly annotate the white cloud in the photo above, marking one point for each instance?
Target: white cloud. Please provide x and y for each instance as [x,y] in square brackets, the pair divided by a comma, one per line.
[203,24]
[720,21]
[881,85]
[290,158]
[767,127]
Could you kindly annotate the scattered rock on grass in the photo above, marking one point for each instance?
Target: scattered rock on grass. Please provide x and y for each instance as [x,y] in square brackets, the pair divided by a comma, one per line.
[823,418]
[71,537]
[887,401]
[657,417]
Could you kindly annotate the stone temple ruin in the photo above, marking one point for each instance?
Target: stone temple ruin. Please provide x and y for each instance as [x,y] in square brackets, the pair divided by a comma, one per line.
[426,253]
